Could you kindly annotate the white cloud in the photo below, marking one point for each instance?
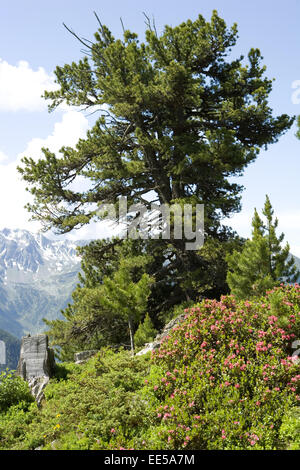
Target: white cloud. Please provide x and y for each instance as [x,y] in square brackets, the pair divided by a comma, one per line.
[21,87]
[13,195]
[94,230]
[3,157]
[73,126]
[241,222]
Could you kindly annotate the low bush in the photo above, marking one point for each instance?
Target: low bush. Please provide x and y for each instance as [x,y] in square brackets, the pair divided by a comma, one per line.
[290,430]
[85,405]
[226,377]
[13,391]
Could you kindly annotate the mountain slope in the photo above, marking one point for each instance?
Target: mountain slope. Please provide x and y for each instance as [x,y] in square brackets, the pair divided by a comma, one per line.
[297,262]
[12,350]
[37,277]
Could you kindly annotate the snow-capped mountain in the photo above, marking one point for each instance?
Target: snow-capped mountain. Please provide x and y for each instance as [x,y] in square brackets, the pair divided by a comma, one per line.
[37,277]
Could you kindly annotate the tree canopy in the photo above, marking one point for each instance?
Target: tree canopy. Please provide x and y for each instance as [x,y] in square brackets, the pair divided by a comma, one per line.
[178,117]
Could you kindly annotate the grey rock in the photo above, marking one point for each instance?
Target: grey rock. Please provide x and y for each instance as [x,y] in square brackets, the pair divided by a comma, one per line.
[37,385]
[36,364]
[148,347]
[36,358]
[161,336]
[83,356]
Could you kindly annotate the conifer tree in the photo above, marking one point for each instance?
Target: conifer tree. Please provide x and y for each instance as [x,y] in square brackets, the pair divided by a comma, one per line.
[179,118]
[124,295]
[262,263]
[145,332]
[107,311]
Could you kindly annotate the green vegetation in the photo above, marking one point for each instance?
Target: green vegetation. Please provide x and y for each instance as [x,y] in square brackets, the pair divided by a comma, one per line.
[13,392]
[109,304]
[83,405]
[224,378]
[145,332]
[180,120]
[290,430]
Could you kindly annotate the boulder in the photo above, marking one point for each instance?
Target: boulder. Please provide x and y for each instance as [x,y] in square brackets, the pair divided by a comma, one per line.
[36,364]
[37,385]
[83,356]
[36,358]
[161,336]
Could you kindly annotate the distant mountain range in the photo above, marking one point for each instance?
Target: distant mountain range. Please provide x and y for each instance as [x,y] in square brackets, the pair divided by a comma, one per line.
[37,277]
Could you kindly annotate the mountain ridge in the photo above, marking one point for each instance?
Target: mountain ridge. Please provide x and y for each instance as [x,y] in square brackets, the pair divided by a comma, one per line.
[37,277]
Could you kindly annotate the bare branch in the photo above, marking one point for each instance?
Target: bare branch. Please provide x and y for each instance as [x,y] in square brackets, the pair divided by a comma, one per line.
[98,19]
[147,22]
[122,25]
[76,36]
[154,26]
[101,27]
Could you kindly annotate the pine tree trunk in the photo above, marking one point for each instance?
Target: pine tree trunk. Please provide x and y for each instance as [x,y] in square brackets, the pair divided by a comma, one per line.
[130,324]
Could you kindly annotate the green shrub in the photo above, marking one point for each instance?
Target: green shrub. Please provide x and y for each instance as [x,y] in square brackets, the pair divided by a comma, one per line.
[85,403]
[290,430]
[13,391]
[14,425]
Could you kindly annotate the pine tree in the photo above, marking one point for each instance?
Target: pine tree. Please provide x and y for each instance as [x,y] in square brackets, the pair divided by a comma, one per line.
[179,118]
[145,332]
[124,295]
[262,263]
[105,312]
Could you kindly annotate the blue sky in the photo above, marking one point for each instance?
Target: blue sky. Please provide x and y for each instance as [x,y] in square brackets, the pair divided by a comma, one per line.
[33,41]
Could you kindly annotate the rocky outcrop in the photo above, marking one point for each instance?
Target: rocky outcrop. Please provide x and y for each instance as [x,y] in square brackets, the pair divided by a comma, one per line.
[36,364]
[36,358]
[83,356]
[37,385]
[160,337]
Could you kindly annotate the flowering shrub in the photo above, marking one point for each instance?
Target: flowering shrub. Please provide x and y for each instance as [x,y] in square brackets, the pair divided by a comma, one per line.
[225,376]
